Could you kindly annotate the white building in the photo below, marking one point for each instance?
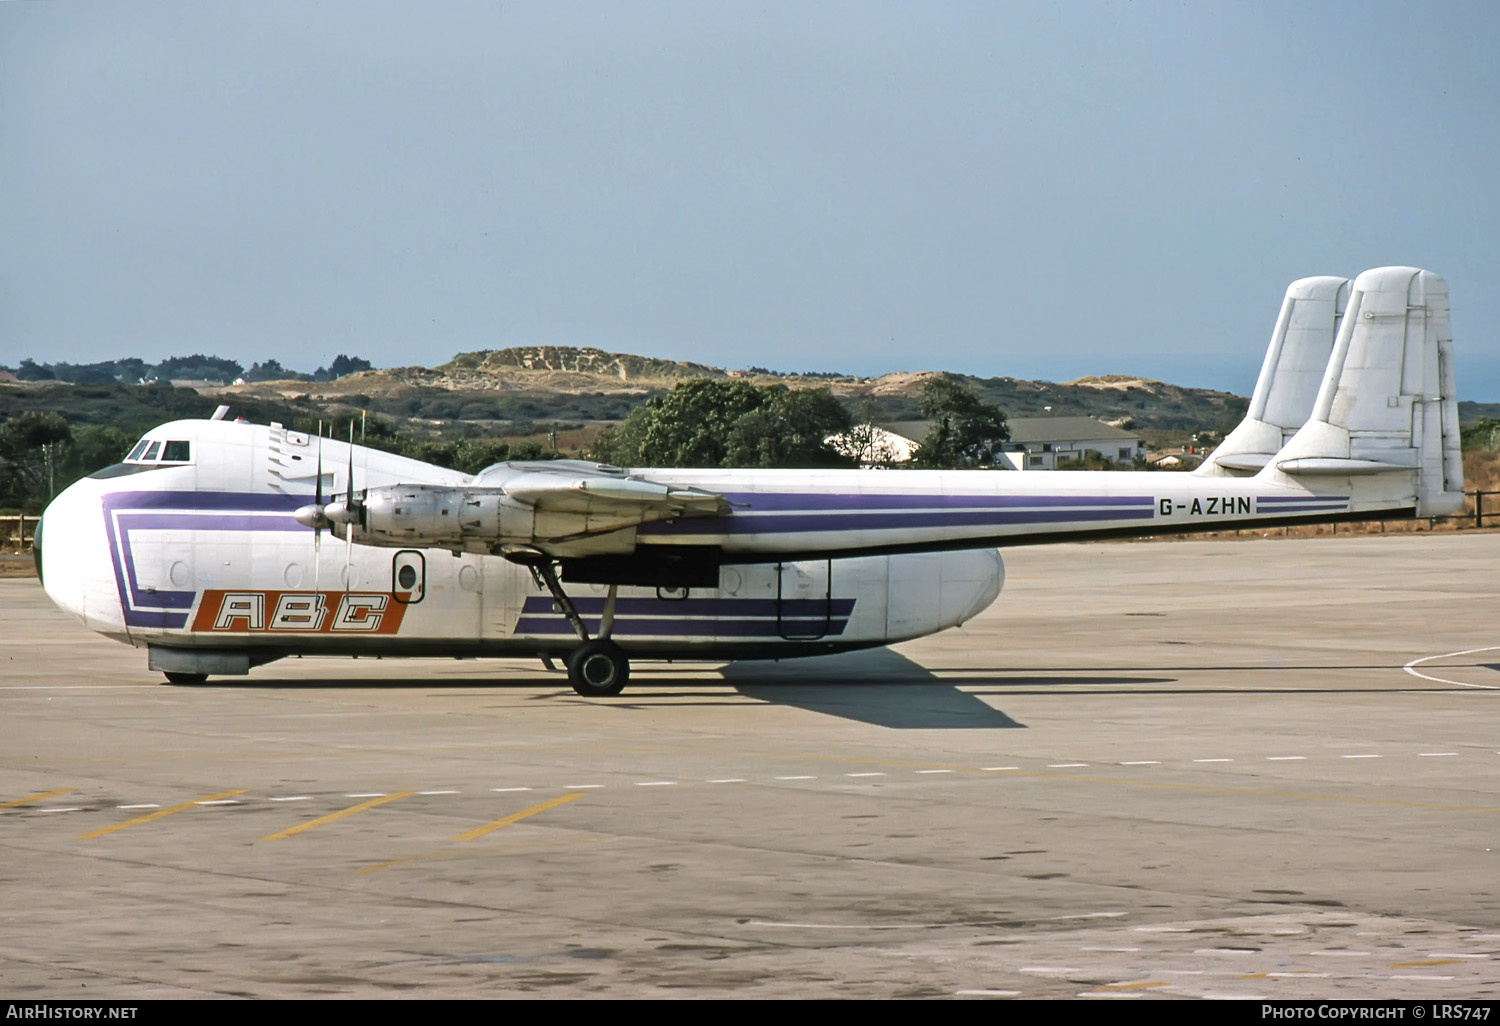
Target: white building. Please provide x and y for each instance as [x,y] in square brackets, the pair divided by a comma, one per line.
[874,446]
[1047,441]
[1036,443]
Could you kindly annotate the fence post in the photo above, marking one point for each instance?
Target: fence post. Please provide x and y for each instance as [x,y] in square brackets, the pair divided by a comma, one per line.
[1478,508]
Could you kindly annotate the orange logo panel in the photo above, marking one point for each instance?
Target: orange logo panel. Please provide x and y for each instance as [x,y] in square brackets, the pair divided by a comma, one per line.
[226,611]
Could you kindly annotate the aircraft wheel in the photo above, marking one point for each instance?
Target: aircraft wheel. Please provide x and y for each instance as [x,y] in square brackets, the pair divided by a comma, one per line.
[174,677]
[598,669]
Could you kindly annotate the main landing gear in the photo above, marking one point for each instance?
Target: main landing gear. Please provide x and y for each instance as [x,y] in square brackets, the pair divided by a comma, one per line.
[597,668]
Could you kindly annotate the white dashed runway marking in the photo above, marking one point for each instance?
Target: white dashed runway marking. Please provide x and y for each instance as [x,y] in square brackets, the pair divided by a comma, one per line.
[874,778]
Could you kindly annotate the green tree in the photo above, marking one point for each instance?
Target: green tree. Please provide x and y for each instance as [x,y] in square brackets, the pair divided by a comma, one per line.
[199,366]
[788,431]
[966,431]
[91,447]
[711,423]
[1484,433]
[30,448]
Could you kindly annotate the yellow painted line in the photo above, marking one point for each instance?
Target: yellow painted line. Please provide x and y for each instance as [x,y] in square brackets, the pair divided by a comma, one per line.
[516,817]
[159,814]
[1143,985]
[1413,965]
[332,816]
[35,798]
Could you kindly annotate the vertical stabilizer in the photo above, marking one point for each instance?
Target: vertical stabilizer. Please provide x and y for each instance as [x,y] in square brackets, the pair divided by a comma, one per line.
[1289,378]
[1386,417]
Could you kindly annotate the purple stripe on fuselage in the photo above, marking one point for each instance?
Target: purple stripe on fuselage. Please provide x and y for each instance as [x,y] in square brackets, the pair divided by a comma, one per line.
[187,520]
[144,618]
[186,511]
[139,598]
[702,607]
[801,627]
[852,502]
[193,501]
[750,523]
[1307,509]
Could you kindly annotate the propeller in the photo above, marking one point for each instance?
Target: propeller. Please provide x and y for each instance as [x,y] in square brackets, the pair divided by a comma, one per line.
[315,515]
[348,511]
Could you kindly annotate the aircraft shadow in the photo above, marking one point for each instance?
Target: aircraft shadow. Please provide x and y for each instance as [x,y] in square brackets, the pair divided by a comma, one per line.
[877,686]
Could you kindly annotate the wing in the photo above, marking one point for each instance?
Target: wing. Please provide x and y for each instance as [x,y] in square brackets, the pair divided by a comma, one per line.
[573,486]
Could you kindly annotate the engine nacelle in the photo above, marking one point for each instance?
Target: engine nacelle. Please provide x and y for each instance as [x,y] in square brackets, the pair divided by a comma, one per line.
[478,518]
[440,516]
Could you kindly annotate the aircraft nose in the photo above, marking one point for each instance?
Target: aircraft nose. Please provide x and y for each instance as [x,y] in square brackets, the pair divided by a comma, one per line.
[72,539]
[36,552]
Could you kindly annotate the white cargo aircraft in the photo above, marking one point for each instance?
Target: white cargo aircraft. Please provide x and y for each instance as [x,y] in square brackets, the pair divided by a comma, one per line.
[204,544]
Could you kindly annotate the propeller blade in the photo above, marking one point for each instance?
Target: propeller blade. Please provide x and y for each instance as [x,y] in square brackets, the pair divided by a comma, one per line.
[350,512]
[349,482]
[318,496]
[319,493]
[318,517]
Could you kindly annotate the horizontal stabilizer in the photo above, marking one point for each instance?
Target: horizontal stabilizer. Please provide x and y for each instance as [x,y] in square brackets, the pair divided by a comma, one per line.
[1339,467]
[1250,462]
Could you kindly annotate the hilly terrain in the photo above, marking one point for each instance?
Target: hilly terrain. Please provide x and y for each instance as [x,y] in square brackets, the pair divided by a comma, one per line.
[557,383]
[564,394]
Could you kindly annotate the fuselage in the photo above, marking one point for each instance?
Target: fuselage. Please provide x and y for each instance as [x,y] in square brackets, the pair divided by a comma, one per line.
[220,545]
[203,552]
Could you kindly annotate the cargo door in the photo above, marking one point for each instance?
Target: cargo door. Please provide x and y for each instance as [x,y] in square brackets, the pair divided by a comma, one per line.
[804,601]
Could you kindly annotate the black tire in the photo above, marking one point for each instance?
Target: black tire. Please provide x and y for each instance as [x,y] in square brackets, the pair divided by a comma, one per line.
[174,677]
[598,669]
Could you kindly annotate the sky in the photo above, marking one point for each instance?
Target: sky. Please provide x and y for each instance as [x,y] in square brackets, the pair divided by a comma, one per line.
[1034,189]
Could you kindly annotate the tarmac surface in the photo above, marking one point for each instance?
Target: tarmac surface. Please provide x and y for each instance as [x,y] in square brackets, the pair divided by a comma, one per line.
[1251,769]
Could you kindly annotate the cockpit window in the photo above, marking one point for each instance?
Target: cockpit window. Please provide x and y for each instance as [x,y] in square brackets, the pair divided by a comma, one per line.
[149,450]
